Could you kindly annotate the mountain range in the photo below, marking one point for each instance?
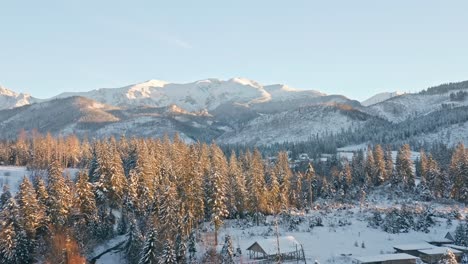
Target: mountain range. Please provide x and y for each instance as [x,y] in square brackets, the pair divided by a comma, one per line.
[237,111]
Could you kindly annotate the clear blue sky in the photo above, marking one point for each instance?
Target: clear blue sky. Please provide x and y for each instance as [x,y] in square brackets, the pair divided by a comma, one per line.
[355,48]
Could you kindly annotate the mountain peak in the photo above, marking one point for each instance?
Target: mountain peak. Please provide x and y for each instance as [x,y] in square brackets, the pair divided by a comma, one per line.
[380,97]
[245,81]
[7,92]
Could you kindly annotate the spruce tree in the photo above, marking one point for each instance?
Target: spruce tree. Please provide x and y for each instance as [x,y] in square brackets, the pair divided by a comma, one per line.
[217,200]
[168,255]
[227,252]
[149,253]
[311,184]
[380,172]
[59,201]
[31,213]
[448,258]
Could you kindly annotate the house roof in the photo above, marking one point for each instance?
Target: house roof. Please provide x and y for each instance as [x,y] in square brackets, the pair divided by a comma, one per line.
[270,245]
[450,235]
[419,246]
[439,251]
[385,257]
[462,248]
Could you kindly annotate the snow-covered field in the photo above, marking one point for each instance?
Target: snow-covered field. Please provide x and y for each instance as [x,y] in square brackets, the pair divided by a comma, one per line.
[334,244]
[12,176]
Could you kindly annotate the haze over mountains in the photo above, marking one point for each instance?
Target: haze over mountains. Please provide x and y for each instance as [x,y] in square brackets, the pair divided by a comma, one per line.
[237,111]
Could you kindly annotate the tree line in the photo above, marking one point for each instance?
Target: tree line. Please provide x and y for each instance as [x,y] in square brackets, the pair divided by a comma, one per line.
[159,192]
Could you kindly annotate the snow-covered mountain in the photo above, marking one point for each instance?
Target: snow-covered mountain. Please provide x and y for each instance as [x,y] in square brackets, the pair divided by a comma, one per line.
[240,111]
[400,108]
[10,99]
[380,97]
[196,96]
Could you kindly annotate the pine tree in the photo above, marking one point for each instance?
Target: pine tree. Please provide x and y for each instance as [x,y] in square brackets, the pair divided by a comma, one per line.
[149,254]
[217,200]
[6,195]
[110,177]
[85,199]
[168,214]
[459,173]
[256,185]
[284,175]
[240,191]
[380,174]
[227,252]
[192,247]
[59,201]
[369,167]
[274,194]
[133,243]
[168,255]
[15,246]
[31,213]
[311,184]
[180,248]
[388,162]
[448,258]
[403,168]
[464,259]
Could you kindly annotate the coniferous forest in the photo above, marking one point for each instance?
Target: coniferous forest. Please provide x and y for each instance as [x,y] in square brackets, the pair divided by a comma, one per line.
[159,193]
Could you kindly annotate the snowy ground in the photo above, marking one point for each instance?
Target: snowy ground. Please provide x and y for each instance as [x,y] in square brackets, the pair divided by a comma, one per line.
[338,244]
[12,176]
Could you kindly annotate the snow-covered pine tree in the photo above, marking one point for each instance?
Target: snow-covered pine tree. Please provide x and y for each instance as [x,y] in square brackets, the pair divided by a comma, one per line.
[256,184]
[235,171]
[448,258]
[15,246]
[31,213]
[369,167]
[111,179]
[192,247]
[149,253]
[311,184]
[464,259]
[59,202]
[459,173]
[168,255]
[180,248]
[85,200]
[403,168]
[284,175]
[461,234]
[380,174]
[6,194]
[422,165]
[218,178]
[275,196]
[133,243]
[388,162]
[227,252]
[168,213]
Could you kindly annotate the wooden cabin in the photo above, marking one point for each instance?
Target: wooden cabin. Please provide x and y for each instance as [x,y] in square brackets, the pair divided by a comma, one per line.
[398,258]
[267,249]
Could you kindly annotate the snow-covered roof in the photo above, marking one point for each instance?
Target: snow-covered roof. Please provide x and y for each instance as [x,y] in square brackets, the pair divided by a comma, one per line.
[270,245]
[385,257]
[441,240]
[419,246]
[462,248]
[439,250]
